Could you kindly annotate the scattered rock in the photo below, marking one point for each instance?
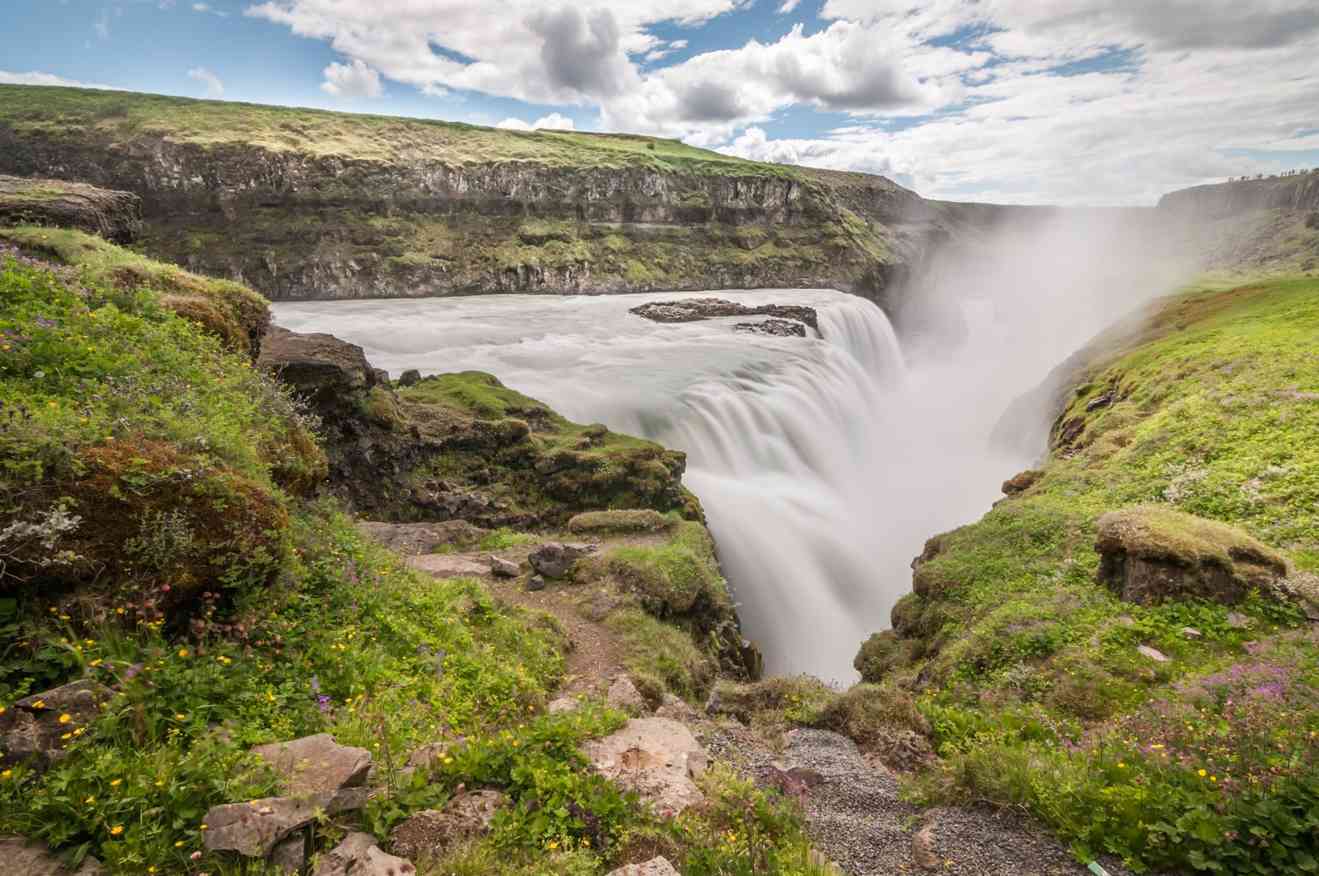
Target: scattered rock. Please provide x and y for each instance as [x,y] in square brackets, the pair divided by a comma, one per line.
[1149,554]
[358,855]
[795,783]
[1152,653]
[623,695]
[1238,621]
[429,833]
[411,377]
[1021,482]
[449,566]
[555,560]
[923,849]
[562,704]
[502,568]
[697,309]
[32,730]
[23,857]
[1192,633]
[254,828]
[290,854]
[534,583]
[777,328]
[655,757]
[318,366]
[658,866]
[315,764]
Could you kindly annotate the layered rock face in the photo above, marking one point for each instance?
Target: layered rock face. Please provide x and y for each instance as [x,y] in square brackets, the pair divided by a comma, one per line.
[116,216]
[1297,192]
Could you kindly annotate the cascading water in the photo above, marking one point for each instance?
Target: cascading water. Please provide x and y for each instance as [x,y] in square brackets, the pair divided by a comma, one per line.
[818,480]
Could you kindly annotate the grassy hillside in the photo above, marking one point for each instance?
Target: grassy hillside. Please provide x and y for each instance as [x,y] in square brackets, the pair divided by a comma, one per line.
[121,117]
[156,539]
[1030,668]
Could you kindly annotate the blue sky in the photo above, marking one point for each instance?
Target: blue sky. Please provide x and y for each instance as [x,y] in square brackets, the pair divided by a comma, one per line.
[1074,101]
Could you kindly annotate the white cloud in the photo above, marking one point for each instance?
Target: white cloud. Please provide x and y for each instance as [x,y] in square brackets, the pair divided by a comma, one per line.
[788,6]
[208,8]
[553,122]
[214,87]
[38,78]
[352,80]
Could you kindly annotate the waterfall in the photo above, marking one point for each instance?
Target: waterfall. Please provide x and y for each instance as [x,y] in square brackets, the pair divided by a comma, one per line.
[822,463]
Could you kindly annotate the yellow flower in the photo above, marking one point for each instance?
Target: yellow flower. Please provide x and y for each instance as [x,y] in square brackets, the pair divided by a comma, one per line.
[552,844]
[116,830]
[65,718]
[1213,778]
[2,710]
[67,736]
[179,844]
[1202,773]
[89,801]
[183,652]
[89,642]
[119,611]
[1121,765]
[39,704]
[6,774]
[203,825]
[180,717]
[115,783]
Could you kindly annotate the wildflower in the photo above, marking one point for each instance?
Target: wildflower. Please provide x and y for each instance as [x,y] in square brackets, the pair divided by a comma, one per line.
[6,774]
[180,717]
[116,830]
[1201,773]
[195,856]
[115,783]
[89,642]
[178,844]
[552,845]
[89,801]
[39,704]
[203,825]
[119,610]
[1121,765]
[67,736]
[183,652]
[65,718]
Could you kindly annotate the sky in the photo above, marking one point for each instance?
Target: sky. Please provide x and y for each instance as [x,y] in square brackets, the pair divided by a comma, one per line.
[1105,102]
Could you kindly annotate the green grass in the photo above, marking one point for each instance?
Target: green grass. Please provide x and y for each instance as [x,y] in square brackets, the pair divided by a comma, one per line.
[1034,688]
[118,117]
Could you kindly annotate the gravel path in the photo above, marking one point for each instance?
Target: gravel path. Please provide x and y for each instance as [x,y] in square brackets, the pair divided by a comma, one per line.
[857,819]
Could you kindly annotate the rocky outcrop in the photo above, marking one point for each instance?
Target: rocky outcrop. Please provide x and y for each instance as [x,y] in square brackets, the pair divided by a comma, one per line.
[776,328]
[555,559]
[1149,554]
[655,757]
[358,855]
[254,828]
[116,216]
[658,866]
[1298,192]
[697,309]
[429,833]
[315,764]
[23,857]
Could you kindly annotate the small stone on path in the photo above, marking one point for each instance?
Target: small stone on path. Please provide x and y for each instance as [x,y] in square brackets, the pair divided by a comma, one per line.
[1153,653]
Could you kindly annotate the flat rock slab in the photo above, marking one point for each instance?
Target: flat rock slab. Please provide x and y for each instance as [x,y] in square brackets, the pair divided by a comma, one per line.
[358,855]
[315,764]
[656,757]
[624,696]
[428,833]
[414,539]
[449,566]
[654,867]
[24,857]
[256,827]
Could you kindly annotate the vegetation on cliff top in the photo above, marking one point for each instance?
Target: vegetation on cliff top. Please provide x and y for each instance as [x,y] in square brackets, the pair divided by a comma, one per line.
[117,117]
[1205,753]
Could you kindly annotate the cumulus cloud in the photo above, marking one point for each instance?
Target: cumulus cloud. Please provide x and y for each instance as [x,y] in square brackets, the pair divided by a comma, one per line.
[583,53]
[355,79]
[39,78]
[214,87]
[553,122]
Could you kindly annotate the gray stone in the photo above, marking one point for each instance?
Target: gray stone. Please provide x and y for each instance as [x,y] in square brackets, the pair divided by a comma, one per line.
[411,377]
[1192,633]
[562,704]
[535,582]
[923,849]
[23,857]
[314,764]
[676,708]
[658,866]
[1152,653]
[624,696]
[291,853]
[427,834]
[358,855]
[655,757]
[502,568]
[1238,621]
[254,828]
[449,566]
[32,730]
[555,559]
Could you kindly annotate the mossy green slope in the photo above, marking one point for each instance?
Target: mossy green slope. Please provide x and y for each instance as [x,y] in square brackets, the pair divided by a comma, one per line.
[1029,667]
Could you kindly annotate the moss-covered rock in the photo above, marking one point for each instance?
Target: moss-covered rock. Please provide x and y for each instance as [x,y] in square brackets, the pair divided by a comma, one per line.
[1152,553]
[116,216]
[618,522]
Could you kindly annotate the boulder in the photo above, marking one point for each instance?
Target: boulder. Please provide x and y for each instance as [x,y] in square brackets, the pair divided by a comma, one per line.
[254,828]
[23,857]
[411,377]
[658,866]
[776,328]
[1152,653]
[697,309]
[555,560]
[502,568]
[114,215]
[562,704]
[923,849]
[624,696]
[676,709]
[449,566]
[1150,553]
[656,757]
[358,855]
[534,583]
[33,730]
[290,854]
[318,366]
[428,834]
[314,764]
[1021,482]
